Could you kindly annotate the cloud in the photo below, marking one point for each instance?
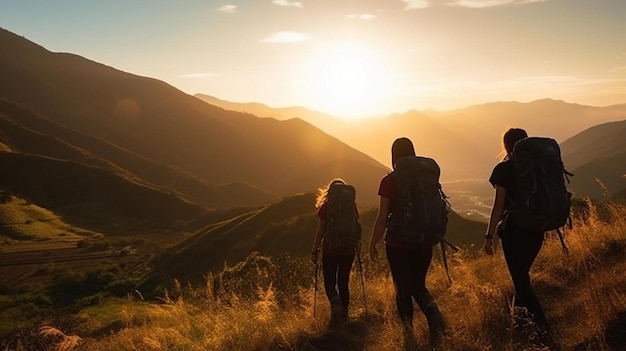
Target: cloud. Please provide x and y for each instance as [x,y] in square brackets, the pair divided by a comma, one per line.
[286,37]
[618,69]
[197,75]
[478,4]
[363,16]
[287,3]
[227,9]
[416,4]
[475,4]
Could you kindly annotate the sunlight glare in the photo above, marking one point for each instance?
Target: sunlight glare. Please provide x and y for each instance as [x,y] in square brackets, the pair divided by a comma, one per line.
[346,80]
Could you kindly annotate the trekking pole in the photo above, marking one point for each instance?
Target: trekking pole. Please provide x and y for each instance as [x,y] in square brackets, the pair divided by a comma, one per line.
[445,243]
[358,256]
[315,289]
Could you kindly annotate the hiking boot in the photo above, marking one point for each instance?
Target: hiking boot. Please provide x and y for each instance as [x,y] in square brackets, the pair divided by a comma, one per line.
[337,315]
[308,347]
[436,326]
[408,337]
[544,336]
[344,313]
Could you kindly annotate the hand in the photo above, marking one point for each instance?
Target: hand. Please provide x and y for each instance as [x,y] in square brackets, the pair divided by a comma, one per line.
[314,258]
[373,254]
[488,246]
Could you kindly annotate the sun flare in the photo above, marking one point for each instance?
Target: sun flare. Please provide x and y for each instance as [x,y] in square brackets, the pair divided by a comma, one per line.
[346,80]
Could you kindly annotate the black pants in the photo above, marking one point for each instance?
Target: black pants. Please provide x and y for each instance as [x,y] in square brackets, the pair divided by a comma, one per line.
[408,269]
[520,250]
[336,270]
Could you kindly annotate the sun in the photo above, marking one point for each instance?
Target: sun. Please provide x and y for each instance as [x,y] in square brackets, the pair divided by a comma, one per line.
[346,80]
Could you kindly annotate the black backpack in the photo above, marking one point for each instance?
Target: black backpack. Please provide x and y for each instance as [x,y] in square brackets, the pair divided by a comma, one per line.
[420,215]
[542,201]
[343,228]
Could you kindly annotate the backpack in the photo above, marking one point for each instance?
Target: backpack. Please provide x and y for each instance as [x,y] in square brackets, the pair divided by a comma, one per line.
[542,201]
[420,216]
[343,228]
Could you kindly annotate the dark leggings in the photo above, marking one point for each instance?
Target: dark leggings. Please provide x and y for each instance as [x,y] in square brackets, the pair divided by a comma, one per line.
[408,269]
[520,250]
[336,278]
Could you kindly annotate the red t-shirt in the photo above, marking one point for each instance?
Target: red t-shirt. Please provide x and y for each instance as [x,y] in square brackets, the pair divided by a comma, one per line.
[326,250]
[389,190]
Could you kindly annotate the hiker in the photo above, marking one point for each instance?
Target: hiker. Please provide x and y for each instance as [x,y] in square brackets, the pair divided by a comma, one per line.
[337,233]
[408,262]
[520,246]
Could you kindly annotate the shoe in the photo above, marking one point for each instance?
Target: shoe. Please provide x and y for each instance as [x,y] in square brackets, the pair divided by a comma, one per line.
[408,337]
[544,336]
[307,347]
[436,327]
[337,315]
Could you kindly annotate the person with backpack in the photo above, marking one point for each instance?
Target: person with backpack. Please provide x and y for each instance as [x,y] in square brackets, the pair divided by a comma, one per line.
[338,233]
[413,227]
[530,198]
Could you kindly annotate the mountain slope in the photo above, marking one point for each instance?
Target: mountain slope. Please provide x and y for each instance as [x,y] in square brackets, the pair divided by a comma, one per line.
[287,226]
[28,132]
[84,192]
[597,157]
[158,122]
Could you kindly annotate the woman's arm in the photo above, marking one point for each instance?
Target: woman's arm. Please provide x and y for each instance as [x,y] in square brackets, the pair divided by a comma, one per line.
[494,218]
[379,226]
[317,240]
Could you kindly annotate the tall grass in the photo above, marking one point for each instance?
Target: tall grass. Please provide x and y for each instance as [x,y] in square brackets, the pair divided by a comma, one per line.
[583,292]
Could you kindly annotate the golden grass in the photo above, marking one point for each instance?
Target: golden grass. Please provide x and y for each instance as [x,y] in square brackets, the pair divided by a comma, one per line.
[582,292]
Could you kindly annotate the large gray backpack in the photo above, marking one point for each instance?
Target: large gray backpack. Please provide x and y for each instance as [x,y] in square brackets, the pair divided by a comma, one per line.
[542,201]
[420,215]
[343,228]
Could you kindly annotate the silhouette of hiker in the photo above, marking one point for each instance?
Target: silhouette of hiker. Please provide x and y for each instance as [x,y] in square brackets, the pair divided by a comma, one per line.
[408,263]
[336,261]
[520,247]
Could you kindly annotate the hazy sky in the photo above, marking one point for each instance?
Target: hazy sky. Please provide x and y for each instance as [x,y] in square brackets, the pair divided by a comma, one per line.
[347,57]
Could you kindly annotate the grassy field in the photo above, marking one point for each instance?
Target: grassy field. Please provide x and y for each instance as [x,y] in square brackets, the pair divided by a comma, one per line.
[22,221]
[267,303]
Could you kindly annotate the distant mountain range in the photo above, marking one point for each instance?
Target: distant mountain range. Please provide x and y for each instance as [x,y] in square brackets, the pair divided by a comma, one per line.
[467,142]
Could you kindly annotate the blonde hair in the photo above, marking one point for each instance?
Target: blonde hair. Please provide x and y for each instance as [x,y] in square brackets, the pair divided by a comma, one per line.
[322,193]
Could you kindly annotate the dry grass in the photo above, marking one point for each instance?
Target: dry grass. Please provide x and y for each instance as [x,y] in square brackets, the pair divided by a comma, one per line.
[583,293]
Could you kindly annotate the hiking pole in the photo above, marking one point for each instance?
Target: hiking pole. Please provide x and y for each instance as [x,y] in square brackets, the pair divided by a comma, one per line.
[358,257]
[445,243]
[315,289]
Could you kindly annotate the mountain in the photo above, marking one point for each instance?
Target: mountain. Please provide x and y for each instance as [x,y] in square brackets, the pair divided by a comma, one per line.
[84,192]
[597,158]
[172,140]
[465,142]
[319,119]
[24,131]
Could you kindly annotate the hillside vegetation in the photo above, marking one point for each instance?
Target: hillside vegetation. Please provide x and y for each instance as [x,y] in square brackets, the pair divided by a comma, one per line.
[266,303]
[286,226]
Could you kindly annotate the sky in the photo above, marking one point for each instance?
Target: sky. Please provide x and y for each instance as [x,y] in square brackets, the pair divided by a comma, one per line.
[349,58]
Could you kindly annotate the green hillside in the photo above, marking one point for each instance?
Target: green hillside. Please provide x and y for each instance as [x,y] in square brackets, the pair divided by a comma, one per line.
[287,226]
[89,194]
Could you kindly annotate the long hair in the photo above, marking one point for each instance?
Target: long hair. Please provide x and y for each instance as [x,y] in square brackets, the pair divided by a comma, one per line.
[510,137]
[322,193]
[401,147]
